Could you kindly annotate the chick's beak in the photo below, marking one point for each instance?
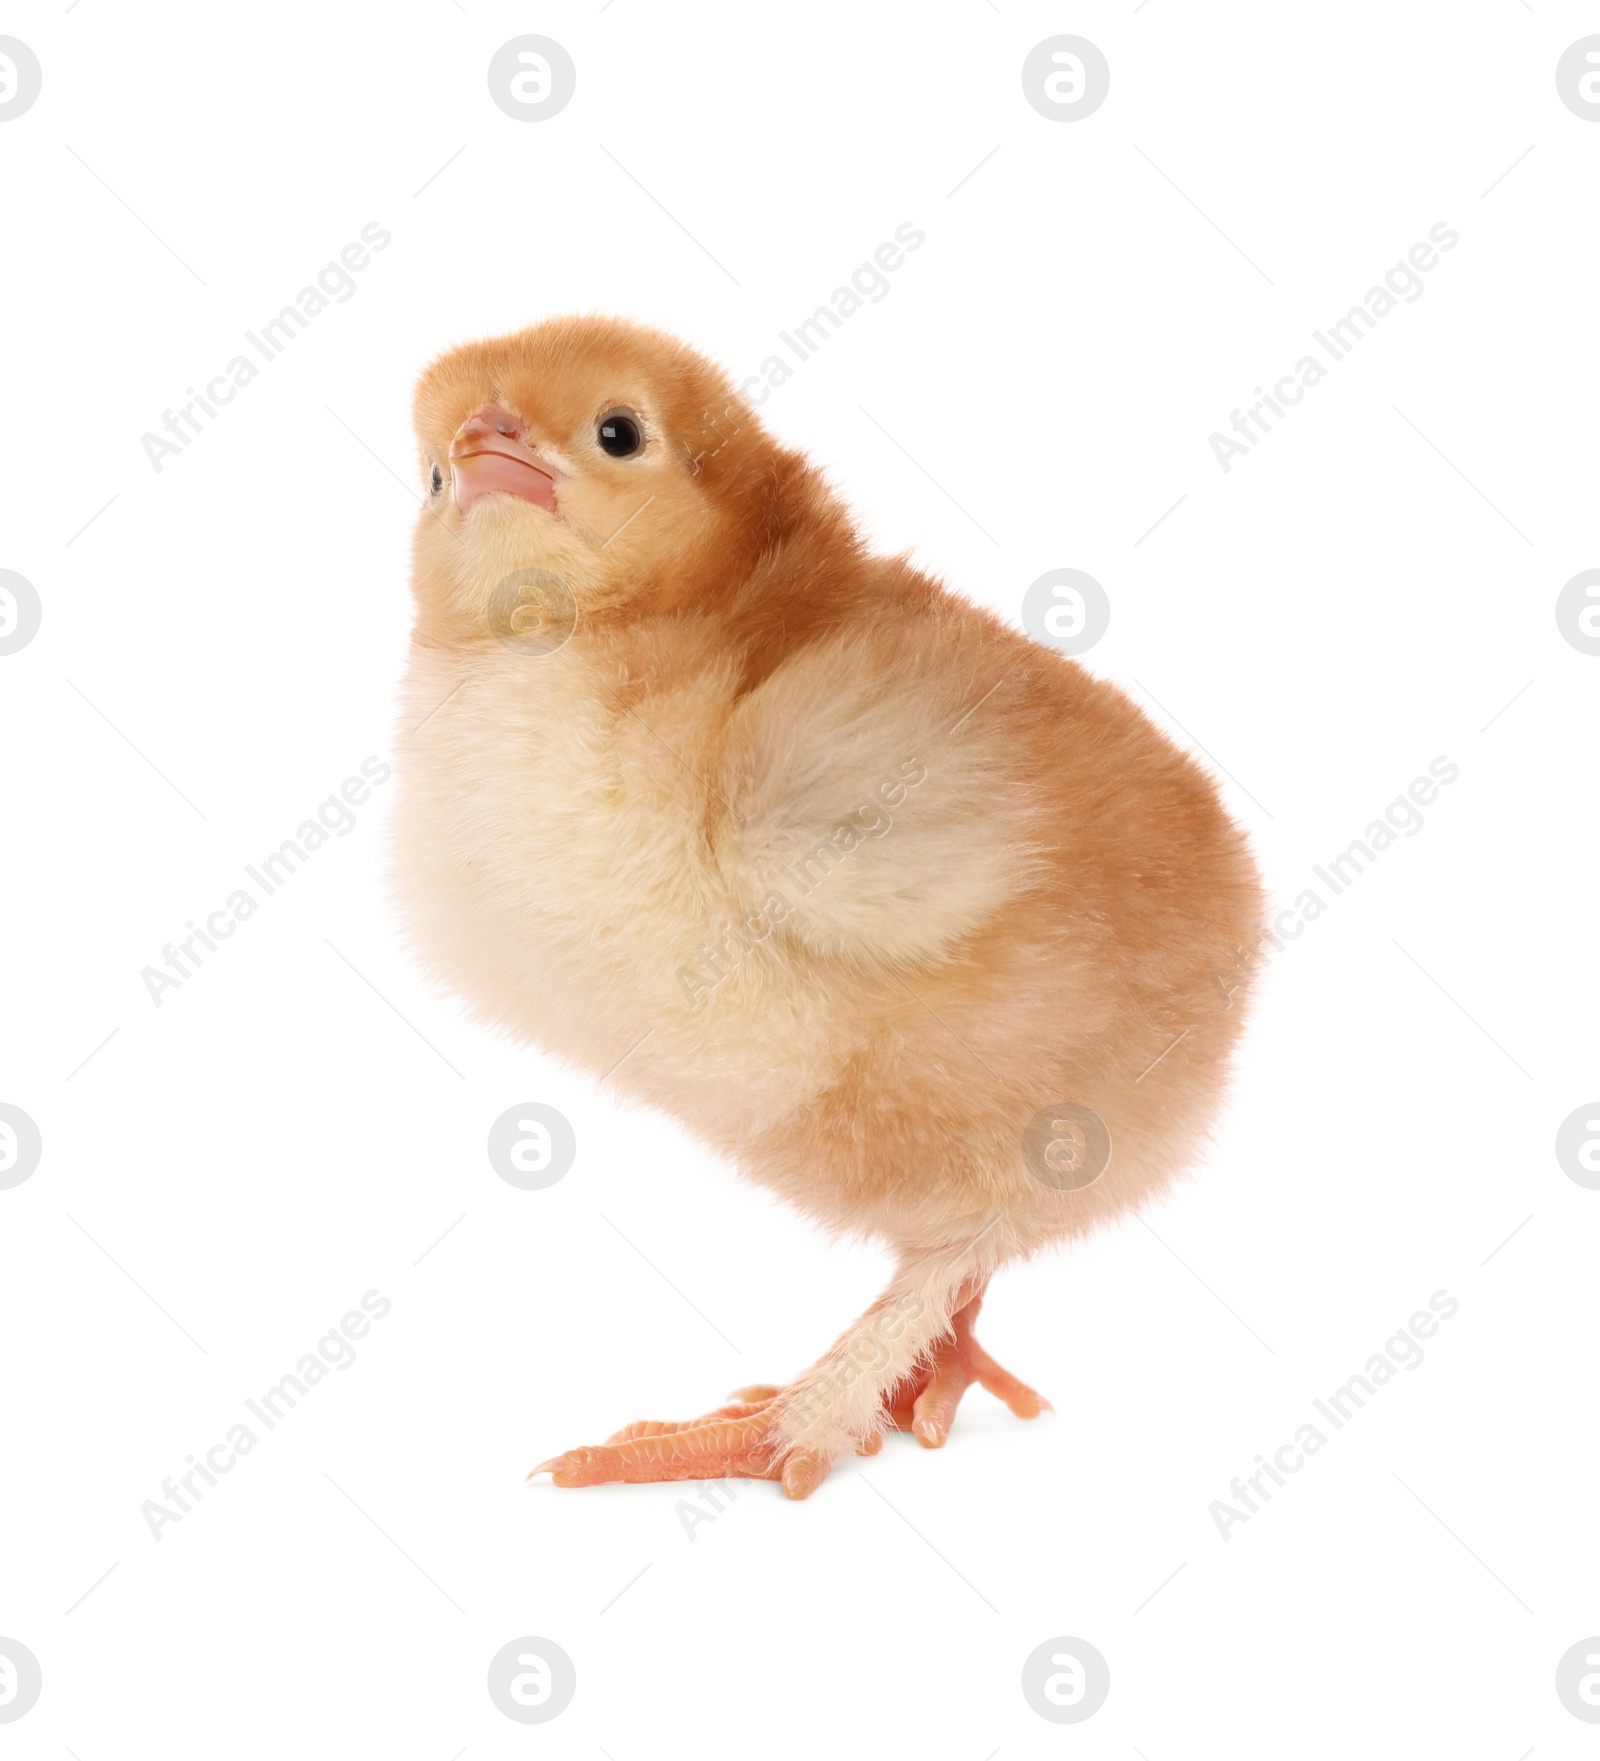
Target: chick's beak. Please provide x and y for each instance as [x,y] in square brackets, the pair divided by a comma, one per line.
[488,454]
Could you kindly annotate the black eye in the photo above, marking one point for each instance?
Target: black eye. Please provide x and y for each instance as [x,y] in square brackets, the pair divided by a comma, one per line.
[437,479]
[619,434]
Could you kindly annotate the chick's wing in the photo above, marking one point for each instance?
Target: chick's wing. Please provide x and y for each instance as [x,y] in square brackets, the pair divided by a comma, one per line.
[877,798]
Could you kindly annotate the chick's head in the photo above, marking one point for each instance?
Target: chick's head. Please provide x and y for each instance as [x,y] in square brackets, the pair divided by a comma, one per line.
[610,465]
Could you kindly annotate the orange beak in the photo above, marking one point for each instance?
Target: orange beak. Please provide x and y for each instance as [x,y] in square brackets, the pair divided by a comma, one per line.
[487,455]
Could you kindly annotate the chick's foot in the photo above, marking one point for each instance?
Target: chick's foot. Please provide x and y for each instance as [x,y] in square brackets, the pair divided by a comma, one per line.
[749,1438]
[926,1405]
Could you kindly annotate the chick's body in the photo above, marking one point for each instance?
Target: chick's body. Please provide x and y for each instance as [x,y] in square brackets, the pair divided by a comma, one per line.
[790,842]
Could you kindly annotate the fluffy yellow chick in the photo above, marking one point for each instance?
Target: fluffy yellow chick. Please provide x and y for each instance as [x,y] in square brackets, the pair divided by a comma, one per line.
[923,927]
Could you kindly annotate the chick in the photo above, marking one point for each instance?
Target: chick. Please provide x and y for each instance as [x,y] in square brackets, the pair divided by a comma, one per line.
[926,929]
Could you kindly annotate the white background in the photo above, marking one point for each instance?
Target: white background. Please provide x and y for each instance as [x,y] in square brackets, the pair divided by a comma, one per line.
[305,1118]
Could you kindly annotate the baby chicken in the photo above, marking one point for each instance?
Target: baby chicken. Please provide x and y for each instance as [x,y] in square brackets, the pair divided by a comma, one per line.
[926,929]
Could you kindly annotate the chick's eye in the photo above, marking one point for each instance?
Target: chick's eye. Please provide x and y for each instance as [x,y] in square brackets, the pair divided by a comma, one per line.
[437,480]
[619,434]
